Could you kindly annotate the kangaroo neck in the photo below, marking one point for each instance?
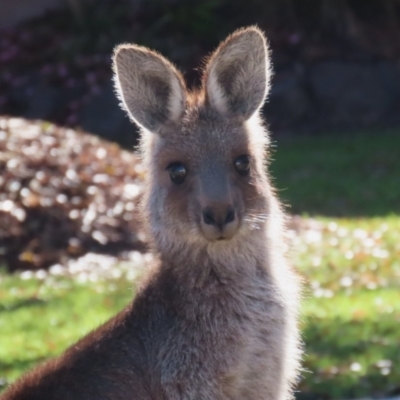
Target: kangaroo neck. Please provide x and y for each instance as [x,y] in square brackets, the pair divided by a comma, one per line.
[201,269]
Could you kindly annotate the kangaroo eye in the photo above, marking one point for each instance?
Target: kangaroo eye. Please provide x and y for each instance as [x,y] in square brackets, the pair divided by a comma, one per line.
[177,172]
[242,165]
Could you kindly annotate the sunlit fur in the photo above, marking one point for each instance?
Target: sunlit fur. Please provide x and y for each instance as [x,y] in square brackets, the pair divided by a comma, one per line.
[214,320]
[207,137]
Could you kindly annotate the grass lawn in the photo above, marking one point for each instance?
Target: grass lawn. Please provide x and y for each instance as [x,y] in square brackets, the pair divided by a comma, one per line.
[351,312]
[347,250]
[41,317]
[354,175]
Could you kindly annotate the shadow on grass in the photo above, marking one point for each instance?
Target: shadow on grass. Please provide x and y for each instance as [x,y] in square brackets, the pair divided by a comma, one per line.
[30,302]
[20,365]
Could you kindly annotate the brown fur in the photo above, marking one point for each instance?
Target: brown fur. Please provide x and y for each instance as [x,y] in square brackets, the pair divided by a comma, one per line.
[216,319]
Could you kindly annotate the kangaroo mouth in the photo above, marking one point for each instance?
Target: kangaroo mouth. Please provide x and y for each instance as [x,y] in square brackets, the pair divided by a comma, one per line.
[216,235]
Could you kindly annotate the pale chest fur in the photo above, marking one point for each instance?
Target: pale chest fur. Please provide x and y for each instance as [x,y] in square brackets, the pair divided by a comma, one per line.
[229,334]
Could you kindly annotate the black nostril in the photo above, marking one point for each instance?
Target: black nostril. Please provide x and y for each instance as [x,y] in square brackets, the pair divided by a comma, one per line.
[218,217]
[208,217]
[230,216]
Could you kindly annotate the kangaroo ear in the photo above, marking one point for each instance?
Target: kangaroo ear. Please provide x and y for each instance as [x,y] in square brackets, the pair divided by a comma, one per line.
[236,79]
[151,90]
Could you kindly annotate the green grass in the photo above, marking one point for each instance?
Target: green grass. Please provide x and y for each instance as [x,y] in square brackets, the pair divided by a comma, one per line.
[351,311]
[348,253]
[40,318]
[339,175]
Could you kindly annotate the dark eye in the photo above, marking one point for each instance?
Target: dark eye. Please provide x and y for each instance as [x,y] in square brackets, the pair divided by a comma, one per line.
[242,165]
[177,172]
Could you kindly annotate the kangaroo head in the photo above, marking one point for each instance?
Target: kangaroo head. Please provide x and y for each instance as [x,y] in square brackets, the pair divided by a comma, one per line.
[204,151]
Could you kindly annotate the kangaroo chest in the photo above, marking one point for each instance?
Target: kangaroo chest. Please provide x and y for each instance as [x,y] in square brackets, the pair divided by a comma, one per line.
[226,337]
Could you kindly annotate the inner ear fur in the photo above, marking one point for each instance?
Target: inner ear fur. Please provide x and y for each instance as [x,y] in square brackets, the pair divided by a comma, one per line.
[150,88]
[236,78]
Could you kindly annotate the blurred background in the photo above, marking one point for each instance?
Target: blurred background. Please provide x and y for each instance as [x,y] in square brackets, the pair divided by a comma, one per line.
[336,62]
[70,236]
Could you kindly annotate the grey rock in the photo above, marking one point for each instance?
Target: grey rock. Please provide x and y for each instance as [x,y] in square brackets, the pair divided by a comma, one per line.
[389,73]
[390,76]
[351,94]
[288,102]
[103,115]
[13,12]
[43,102]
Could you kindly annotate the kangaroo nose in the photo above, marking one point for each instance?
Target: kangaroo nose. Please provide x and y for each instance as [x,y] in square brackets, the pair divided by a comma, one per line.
[219,215]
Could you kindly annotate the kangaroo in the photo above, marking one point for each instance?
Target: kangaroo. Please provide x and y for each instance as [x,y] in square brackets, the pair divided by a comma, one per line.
[217,316]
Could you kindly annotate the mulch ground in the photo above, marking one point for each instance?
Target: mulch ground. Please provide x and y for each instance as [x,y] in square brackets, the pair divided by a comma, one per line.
[63,194]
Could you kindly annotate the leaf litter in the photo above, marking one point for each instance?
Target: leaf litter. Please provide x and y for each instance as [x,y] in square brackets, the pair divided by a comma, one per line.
[63,194]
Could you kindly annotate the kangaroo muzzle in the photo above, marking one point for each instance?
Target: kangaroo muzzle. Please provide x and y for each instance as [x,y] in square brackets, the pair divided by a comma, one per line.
[219,219]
